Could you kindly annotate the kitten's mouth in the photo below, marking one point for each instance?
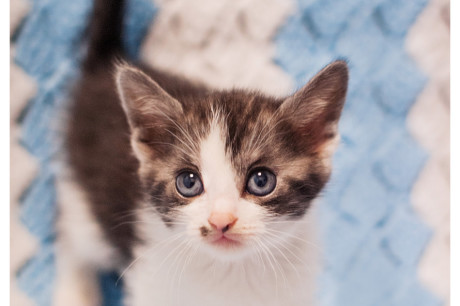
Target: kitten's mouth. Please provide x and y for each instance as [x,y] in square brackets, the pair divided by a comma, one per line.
[225,242]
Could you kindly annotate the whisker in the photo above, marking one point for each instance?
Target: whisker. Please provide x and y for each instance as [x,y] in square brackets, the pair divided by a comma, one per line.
[183,250]
[147,222]
[280,268]
[264,252]
[169,255]
[282,241]
[292,236]
[186,263]
[148,251]
[281,253]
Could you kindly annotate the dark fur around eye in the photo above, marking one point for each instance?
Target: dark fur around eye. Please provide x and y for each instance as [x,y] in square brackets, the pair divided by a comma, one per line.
[297,198]
[163,197]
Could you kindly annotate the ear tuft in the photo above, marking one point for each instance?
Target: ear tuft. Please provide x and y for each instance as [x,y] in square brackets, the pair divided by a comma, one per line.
[315,109]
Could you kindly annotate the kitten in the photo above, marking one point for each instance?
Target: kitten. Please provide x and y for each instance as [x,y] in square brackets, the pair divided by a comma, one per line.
[196,196]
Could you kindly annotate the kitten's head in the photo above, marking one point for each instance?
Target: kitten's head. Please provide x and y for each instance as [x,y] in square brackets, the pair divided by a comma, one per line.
[230,169]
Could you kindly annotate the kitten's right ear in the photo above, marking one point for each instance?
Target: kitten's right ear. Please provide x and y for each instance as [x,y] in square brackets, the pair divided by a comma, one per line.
[145,103]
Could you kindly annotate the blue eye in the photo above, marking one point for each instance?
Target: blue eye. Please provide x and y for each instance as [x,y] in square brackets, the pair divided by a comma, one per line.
[189,184]
[261,182]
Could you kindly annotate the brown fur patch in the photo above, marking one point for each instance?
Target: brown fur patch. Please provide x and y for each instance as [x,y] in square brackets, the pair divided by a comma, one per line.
[204,231]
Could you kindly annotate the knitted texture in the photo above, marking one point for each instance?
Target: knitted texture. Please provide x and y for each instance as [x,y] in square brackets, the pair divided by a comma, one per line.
[372,239]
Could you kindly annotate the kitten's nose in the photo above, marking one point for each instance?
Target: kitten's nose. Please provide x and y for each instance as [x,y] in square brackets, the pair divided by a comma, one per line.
[222,221]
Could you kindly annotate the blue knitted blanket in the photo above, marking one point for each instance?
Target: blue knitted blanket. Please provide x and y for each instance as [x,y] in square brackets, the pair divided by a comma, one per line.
[371,236]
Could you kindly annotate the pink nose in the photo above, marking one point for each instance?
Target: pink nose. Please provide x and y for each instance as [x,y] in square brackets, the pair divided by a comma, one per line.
[222,221]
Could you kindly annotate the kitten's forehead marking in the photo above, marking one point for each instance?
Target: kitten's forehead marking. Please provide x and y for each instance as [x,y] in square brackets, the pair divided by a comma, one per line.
[217,172]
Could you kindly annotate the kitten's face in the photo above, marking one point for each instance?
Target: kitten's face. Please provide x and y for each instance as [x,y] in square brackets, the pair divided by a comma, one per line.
[232,170]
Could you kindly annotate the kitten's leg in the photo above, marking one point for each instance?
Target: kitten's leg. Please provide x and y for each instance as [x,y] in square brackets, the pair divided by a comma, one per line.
[81,249]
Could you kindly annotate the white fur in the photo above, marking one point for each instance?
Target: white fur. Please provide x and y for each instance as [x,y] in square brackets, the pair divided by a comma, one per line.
[217,173]
[177,270]
[275,265]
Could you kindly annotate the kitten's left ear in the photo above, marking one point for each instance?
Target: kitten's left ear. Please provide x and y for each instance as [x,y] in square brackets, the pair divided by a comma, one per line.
[151,112]
[143,100]
[315,109]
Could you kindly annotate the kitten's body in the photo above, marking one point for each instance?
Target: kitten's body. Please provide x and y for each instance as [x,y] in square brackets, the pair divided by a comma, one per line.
[120,206]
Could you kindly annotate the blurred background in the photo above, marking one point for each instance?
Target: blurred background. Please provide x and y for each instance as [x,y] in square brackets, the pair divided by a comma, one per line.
[384,217]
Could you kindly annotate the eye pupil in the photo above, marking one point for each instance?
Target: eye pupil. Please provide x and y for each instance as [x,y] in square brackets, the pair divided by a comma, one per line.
[260,179]
[189,180]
